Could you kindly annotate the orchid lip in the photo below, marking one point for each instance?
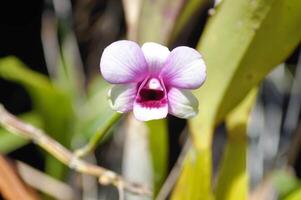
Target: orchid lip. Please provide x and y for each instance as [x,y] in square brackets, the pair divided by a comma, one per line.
[151,93]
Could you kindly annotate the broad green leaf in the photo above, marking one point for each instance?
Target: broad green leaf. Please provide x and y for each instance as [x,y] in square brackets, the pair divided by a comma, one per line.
[233,178]
[242,42]
[194,183]
[49,101]
[232,181]
[10,142]
[158,142]
[296,195]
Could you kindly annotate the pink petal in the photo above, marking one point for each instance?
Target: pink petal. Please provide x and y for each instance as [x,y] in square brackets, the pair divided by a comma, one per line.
[151,101]
[123,62]
[184,68]
[182,103]
[155,55]
[122,97]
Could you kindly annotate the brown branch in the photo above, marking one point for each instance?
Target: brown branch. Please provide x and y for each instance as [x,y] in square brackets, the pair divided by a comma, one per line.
[105,176]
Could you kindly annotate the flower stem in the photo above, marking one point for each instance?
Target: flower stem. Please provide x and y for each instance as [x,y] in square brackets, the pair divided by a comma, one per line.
[97,137]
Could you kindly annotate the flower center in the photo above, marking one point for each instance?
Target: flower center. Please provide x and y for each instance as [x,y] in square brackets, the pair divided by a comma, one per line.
[152,91]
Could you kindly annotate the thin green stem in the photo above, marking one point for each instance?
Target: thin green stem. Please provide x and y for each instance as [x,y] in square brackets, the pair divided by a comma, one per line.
[98,136]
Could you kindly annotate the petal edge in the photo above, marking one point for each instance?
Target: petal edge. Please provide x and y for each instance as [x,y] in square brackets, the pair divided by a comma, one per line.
[123,62]
[182,103]
[146,114]
[155,55]
[184,68]
[122,97]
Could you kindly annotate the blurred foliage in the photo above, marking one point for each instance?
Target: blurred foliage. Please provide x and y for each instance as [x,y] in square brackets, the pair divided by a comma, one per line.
[95,113]
[49,101]
[294,196]
[232,181]
[158,142]
[160,16]
[242,42]
[187,15]
[10,142]
[286,184]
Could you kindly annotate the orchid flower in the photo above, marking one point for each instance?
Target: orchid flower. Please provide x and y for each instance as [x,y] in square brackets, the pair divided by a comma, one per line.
[151,80]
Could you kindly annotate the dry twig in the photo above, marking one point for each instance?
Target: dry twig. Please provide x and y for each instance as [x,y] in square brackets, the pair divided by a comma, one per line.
[105,176]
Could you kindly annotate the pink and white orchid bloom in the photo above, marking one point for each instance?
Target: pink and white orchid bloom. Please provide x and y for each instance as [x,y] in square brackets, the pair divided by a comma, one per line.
[151,80]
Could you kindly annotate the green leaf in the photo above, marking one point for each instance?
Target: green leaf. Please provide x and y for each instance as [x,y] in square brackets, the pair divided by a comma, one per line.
[242,42]
[232,181]
[296,195]
[158,142]
[286,184]
[193,183]
[10,142]
[233,178]
[96,117]
[49,101]
[96,111]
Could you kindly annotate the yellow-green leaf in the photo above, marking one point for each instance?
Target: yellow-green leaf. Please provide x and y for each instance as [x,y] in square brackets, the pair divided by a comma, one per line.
[286,184]
[242,42]
[194,183]
[158,142]
[232,181]
[296,195]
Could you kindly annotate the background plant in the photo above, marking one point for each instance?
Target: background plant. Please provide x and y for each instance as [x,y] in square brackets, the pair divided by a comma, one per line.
[241,41]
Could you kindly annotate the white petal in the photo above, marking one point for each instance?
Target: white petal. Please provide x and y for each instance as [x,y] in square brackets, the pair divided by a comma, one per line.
[182,103]
[155,55]
[122,97]
[184,68]
[123,62]
[149,113]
